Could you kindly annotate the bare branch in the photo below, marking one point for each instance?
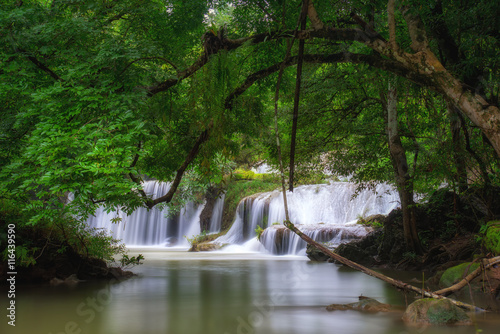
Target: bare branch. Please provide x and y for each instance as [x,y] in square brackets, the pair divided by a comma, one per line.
[486,263]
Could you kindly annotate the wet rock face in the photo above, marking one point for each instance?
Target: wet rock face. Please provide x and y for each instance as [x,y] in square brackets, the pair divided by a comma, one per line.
[316,255]
[429,311]
[363,251]
[279,240]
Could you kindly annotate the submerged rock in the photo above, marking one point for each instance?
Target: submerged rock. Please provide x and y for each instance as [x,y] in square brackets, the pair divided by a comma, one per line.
[71,280]
[364,304]
[430,311]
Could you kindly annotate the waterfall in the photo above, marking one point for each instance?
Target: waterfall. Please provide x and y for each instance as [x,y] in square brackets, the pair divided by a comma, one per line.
[324,212]
[151,227]
[278,239]
[216,219]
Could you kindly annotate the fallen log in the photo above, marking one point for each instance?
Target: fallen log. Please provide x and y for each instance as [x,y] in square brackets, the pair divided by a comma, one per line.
[486,263]
[363,269]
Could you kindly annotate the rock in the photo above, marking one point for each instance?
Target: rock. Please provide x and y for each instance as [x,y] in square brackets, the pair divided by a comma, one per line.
[430,311]
[71,280]
[316,255]
[205,247]
[457,273]
[364,304]
[56,281]
[361,251]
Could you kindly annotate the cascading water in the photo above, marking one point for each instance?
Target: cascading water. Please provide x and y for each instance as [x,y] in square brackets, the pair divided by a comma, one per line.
[216,219]
[152,227]
[324,212]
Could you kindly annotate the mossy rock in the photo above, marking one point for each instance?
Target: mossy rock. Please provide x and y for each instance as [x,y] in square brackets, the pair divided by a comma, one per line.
[457,273]
[430,311]
[205,247]
[491,239]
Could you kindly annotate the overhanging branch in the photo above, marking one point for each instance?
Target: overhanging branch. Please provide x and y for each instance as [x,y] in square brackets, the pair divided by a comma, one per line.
[202,138]
[343,57]
[231,44]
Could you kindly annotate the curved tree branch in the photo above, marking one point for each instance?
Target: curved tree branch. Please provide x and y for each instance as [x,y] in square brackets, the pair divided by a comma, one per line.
[343,57]
[202,138]
[487,263]
[39,64]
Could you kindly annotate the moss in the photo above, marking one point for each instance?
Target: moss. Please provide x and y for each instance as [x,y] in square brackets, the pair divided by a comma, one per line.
[457,273]
[491,239]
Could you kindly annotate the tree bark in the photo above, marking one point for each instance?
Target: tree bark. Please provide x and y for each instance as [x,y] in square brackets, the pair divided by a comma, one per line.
[458,148]
[313,16]
[403,178]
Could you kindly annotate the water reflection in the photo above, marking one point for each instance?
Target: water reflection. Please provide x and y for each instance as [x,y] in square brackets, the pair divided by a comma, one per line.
[200,293]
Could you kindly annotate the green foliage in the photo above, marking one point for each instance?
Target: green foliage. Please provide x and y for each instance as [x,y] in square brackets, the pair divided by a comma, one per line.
[127,262]
[60,235]
[79,118]
[372,223]
[258,231]
[490,237]
[196,239]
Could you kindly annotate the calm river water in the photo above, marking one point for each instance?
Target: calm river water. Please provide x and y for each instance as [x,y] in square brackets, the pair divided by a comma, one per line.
[177,292]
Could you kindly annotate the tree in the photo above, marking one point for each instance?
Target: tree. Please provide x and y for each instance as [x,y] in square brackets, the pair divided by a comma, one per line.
[401,170]
[100,93]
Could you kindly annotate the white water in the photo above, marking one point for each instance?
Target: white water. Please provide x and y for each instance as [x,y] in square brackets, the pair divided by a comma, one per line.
[323,212]
[152,227]
[216,220]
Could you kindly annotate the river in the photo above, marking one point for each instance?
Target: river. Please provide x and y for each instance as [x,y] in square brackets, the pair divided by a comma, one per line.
[219,292]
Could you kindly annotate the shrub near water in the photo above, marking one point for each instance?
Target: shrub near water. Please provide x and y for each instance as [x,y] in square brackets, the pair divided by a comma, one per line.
[491,240]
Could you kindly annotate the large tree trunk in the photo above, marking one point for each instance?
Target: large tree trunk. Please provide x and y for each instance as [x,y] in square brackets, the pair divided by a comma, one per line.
[482,114]
[458,147]
[403,178]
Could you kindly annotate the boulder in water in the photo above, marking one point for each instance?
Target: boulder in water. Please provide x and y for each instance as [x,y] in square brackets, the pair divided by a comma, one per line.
[430,311]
